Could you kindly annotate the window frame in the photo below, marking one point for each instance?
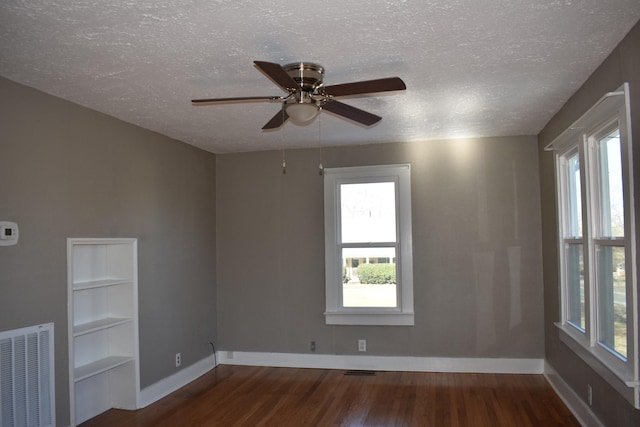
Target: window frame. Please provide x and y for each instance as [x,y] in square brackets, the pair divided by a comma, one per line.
[566,238]
[336,313]
[583,137]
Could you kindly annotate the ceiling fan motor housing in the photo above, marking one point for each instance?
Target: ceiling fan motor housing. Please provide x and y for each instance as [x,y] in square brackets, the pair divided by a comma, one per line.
[307,74]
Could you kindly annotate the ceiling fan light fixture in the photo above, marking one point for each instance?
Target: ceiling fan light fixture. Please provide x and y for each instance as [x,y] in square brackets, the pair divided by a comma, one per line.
[302,112]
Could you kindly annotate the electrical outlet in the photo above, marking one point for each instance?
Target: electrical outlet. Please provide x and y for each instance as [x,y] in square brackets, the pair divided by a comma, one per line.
[312,346]
[362,345]
[589,394]
[178,359]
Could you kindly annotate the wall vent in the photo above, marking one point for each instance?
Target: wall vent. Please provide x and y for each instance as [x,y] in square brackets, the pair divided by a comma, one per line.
[27,377]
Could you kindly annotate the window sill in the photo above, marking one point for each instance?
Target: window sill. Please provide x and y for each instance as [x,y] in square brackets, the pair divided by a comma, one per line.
[373,319]
[625,385]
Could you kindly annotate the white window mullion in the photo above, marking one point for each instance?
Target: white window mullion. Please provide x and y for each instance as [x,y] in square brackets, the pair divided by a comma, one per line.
[591,218]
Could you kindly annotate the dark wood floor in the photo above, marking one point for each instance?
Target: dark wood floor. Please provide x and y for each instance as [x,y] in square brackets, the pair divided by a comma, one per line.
[259,396]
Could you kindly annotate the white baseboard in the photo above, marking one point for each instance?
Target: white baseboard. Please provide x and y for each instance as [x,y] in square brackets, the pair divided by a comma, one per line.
[172,383]
[576,405]
[383,363]
[183,377]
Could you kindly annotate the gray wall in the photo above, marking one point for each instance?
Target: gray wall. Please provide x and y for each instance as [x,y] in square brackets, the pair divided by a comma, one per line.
[623,65]
[66,171]
[476,241]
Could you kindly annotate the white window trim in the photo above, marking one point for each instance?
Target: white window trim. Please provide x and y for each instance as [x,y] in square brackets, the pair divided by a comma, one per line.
[335,313]
[622,376]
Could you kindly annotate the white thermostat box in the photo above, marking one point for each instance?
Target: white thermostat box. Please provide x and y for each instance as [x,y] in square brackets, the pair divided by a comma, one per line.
[8,233]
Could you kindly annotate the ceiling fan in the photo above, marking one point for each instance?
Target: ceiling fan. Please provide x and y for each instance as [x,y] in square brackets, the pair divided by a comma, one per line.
[308,96]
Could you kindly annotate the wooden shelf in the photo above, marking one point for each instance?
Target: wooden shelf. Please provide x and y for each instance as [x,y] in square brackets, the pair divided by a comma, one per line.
[99,366]
[98,325]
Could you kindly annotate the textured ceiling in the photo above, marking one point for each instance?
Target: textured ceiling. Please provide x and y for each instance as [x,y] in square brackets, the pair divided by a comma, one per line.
[472,68]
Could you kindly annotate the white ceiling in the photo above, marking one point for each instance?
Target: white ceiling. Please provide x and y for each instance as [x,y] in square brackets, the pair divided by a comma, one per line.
[472,68]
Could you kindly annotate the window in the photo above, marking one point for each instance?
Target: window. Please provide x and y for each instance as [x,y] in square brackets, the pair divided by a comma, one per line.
[573,240]
[368,254]
[597,245]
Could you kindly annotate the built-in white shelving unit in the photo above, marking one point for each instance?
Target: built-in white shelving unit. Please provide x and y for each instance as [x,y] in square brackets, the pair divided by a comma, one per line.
[104,366]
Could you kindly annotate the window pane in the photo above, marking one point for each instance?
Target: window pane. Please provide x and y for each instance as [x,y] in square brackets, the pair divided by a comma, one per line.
[368,212]
[575,286]
[369,277]
[575,197]
[612,299]
[611,198]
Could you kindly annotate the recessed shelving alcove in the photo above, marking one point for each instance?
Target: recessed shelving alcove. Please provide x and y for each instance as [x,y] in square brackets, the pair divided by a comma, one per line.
[103,326]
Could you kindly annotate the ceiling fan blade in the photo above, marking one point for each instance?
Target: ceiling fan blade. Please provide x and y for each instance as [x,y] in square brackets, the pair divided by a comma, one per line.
[367,86]
[352,113]
[278,120]
[237,99]
[278,75]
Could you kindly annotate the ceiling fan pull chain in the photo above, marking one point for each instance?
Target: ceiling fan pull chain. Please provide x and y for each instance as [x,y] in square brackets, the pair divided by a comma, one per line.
[321,166]
[284,160]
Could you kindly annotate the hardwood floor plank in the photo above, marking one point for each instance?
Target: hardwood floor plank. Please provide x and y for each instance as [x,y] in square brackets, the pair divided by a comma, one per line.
[261,396]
